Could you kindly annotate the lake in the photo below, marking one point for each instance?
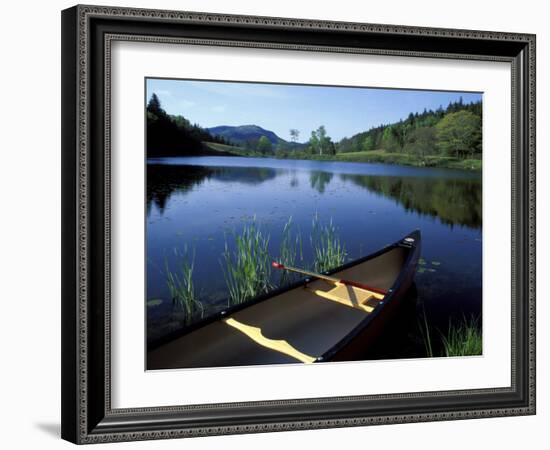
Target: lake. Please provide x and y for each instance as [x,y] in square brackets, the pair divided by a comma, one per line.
[199,203]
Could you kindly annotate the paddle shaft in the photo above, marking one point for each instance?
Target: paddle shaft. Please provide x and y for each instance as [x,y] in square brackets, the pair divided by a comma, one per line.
[329,278]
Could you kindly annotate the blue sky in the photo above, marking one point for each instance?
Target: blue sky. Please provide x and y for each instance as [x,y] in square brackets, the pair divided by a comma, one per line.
[344,111]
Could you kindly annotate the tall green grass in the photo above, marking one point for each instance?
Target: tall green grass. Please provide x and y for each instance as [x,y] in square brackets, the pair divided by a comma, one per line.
[463,339]
[246,264]
[290,252]
[181,287]
[247,268]
[328,251]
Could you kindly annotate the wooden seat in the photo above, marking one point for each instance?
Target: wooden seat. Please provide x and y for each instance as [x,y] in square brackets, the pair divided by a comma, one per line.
[279,345]
[351,296]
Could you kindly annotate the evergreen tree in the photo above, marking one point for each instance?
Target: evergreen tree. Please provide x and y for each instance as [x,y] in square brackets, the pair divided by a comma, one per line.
[154,106]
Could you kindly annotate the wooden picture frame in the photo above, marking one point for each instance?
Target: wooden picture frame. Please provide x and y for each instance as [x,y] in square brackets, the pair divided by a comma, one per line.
[87,34]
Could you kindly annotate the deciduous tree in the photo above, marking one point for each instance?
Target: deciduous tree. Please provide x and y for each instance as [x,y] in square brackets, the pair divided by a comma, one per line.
[459,134]
[264,145]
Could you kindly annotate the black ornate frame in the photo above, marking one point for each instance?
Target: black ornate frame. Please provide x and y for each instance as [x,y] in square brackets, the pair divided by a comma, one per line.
[87,34]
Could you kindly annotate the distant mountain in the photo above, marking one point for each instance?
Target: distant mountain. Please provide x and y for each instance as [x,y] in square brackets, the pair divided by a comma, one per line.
[245,133]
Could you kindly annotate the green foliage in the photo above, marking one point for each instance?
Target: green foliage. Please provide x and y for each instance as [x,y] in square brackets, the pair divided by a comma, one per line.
[463,339]
[320,143]
[459,134]
[181,287]
[154,106]
[169,135]
[409,159]
[314,143]
[419,136]
[281,153]
[328,250]
[263,145]
[290,252]
[421,141]
[368,144]
[389,139]
[247,269]
[246,265]
[425,139]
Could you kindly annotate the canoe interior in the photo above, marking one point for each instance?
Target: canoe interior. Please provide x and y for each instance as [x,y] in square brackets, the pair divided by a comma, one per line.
[296,326]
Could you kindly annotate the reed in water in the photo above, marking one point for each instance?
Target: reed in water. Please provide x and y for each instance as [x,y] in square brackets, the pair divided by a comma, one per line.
[290,252]
[181,287]
[463,339]
[328,251]
[247,268]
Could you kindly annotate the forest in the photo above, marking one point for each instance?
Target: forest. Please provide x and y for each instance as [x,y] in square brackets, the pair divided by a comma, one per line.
[453,131]
[169,135]
[450,137]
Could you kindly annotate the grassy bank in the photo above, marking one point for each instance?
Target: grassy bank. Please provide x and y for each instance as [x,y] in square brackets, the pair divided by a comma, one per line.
[216,149]
[372,156]
[381,156]
[403,159]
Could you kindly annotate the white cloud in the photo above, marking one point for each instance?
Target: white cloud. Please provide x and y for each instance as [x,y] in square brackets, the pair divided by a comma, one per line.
[219,108]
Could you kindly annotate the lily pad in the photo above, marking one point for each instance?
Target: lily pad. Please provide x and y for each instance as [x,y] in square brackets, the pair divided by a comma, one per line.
[421,270]
[422,261]
[436,263]
[431,270]
[154,302]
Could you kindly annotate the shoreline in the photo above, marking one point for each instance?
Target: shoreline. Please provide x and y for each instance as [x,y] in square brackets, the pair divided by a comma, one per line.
[431,161]
[372,156]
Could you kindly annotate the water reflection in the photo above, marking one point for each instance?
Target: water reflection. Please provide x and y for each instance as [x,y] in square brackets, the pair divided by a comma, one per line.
[319,180]
[164,180]
[200,202]
[455,201]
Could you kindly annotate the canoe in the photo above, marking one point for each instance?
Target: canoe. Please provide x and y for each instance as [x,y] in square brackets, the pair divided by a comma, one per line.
[310,321]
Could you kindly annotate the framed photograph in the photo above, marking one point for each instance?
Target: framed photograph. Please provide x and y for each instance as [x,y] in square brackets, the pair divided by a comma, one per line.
[281,224]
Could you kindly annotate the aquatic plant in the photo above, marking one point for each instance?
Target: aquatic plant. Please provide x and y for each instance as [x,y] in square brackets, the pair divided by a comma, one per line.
[425,332]
[290,252]
[181,287]
[151,303]
[463,339]
[247,269]
[328,250]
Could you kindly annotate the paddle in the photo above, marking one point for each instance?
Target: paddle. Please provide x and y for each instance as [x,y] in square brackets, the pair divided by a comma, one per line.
[331,279]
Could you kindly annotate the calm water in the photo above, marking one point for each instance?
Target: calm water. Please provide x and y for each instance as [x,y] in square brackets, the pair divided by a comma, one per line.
[199,202]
